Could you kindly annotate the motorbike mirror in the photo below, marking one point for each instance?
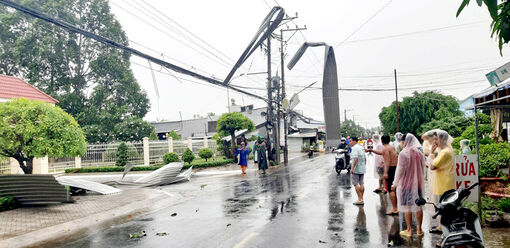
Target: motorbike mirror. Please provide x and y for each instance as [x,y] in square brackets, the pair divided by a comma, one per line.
[420,201]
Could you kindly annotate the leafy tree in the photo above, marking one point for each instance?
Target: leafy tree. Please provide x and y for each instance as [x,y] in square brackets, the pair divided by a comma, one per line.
[205,153]
[174,135]
[153,136]
[454,125]
[170,157]
[122,155]
[500,15]
[188,156]
[416,110]
[350,128]
[33,129]
[229,123]
[93,81]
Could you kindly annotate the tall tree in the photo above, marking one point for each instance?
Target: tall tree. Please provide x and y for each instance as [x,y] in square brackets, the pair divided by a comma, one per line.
[417,110]
[229,123]
[92,81]
[33,129]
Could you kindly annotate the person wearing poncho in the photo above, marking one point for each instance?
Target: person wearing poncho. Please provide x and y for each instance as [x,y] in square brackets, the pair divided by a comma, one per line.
[409,183]
[378,163]
[443,165]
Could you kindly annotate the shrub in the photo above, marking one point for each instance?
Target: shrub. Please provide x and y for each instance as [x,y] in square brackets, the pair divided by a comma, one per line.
[170,157]
[504,205]
[110,154]
[122,155]
[146,168]
[188,156]
[205,153]
[493,157]
[7,203]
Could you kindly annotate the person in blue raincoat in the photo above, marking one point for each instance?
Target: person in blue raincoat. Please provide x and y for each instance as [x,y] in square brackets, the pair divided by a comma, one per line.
[243,153]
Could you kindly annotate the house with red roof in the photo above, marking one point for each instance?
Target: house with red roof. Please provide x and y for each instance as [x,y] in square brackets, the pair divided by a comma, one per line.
[13,87]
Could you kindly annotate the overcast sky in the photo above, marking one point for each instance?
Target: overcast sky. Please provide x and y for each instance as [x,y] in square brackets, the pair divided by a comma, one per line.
[429,47]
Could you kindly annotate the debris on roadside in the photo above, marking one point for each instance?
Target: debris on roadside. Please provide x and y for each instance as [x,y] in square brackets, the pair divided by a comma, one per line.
[137,235]
[229,225]
[162,234]
[174,214]
[202,186]
[321,242]
[197,210]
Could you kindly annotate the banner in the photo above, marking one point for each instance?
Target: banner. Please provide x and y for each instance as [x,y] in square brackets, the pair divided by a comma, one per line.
[466,171]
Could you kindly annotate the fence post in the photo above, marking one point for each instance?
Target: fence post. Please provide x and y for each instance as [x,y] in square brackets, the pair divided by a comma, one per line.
[170,144]
[146,151]
[40,165]
[77,162]
[206,143]
[14,165]
[190,144]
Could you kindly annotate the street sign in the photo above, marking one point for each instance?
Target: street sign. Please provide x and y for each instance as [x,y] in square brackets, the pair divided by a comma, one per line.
[499,75]
[294,101]
[466,171]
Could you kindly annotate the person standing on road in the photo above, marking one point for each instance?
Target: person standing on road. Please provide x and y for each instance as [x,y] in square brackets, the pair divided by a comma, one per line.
[378,163]
[256,151]
[243,153]
[262,157]
[398,137]
[409,183]
[390,167]
[358,158]
[443,165]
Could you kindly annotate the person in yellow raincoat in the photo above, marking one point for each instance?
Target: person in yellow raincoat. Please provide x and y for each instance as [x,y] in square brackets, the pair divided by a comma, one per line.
[443,165]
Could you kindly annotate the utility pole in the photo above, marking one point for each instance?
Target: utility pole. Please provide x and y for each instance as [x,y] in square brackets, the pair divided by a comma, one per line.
[269,115]
[283,94]
[396,100]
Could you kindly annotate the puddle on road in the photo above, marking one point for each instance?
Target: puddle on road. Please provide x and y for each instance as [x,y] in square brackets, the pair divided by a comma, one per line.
[496,237]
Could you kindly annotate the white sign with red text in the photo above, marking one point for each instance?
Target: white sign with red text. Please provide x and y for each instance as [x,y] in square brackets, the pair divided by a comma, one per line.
[466,171]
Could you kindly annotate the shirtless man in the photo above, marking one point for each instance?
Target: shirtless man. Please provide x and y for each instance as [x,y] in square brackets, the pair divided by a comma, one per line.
[390,166]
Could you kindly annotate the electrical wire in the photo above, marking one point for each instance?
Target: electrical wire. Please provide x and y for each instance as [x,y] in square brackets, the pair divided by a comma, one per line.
[363,24]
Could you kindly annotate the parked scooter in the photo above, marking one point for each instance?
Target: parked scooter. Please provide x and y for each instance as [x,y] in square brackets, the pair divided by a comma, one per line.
[461,226]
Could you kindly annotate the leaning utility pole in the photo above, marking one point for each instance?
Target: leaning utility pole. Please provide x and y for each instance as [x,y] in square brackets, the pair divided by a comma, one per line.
[283,95]
[396,100]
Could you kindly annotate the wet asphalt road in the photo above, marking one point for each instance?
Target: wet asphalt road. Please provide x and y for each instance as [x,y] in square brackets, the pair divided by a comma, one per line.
[305,204]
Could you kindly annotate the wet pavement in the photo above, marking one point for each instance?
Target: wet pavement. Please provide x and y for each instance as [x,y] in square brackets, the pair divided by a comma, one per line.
[305,204]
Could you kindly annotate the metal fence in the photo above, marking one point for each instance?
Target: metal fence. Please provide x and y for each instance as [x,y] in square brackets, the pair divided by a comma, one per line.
[99,155]
[5,166]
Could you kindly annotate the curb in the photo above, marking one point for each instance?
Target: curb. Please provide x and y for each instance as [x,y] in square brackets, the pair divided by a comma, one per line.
[60,234]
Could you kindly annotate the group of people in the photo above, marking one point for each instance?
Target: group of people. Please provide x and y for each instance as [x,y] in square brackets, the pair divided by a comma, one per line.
[259,156]
[402,168]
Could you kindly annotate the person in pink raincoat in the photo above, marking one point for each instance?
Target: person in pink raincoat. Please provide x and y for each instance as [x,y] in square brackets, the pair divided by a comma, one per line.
[379,164]
[409,183]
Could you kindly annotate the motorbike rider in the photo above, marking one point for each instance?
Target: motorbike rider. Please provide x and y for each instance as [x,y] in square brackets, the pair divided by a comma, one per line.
[345,146]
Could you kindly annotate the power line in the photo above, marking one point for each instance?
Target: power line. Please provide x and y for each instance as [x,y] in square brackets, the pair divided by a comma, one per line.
[363,24]
[169,35]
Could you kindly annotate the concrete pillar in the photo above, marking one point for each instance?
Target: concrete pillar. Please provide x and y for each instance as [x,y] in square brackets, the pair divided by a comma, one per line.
[14,165]
[170,144]
[146,151]
[77,162]
[40,166]
[190,144]
[206,143]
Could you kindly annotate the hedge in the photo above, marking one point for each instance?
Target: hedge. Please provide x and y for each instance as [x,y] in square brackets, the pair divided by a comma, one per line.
[7,203]
[145,168]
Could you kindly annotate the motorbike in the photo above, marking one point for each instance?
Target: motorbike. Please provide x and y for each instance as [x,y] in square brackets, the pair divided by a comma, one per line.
[341,161]
[461,226]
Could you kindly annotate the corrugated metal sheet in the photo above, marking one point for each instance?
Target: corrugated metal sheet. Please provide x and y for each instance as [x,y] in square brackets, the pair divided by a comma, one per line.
[13,87]
[164,175]
[88,185]
[33,189]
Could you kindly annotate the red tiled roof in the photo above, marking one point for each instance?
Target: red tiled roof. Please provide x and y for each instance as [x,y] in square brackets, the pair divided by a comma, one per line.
[13,87]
